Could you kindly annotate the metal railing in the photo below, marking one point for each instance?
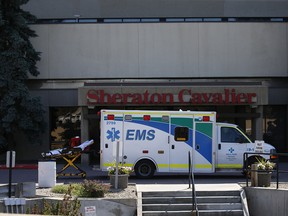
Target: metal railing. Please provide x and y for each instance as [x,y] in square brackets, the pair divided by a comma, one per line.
[192,181]
[277,156]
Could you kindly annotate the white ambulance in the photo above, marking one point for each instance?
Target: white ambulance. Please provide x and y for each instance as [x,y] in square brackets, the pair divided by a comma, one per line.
[159,141]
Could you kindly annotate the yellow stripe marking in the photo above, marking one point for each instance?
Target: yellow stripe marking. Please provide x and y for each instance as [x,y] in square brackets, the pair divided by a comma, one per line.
[229,166]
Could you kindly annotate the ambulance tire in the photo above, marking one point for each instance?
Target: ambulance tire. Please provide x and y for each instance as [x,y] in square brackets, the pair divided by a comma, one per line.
[144,169]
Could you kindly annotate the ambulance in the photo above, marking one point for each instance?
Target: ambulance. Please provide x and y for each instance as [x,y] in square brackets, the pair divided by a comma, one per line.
[159,141]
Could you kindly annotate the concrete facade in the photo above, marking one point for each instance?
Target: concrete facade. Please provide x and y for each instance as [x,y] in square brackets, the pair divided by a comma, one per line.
[157,8]
[82,46]
[149,50]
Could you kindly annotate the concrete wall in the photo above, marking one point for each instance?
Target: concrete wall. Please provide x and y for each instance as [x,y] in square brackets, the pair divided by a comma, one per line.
[154,50]
[157,8]
[267,201]
[107,207]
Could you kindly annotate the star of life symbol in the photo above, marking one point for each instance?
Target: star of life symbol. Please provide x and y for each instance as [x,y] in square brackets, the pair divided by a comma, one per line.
[113,134]
[231,150]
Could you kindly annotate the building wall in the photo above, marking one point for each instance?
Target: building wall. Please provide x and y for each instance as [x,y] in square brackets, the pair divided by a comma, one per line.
[44,9]
[195,53]
[151,50]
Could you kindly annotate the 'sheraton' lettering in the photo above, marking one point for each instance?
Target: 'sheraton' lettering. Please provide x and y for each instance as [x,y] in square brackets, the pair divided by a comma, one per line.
[229,96]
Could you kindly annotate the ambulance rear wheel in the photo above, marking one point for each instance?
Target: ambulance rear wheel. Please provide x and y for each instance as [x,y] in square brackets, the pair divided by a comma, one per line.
[144,169]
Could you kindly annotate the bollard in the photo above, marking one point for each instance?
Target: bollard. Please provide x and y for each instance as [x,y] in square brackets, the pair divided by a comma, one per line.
[254,175]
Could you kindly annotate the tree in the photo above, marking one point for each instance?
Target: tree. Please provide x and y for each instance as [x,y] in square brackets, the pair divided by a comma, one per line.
[19,111]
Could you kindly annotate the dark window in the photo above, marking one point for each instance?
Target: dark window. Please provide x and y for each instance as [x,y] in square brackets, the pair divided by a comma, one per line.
[181,134]
[275,127]
[232,135]
[65,125]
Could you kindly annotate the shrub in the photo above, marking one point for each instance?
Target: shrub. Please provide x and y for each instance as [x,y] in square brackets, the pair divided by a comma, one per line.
[93,188]
[89,188]
[66,207]
[61,189]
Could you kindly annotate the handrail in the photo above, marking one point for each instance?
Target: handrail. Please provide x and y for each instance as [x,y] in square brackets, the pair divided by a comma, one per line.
[246,168]
[191,180]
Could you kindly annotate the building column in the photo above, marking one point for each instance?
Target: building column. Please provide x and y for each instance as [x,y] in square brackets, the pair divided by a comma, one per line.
[286,126]
[258,124]
[84,134]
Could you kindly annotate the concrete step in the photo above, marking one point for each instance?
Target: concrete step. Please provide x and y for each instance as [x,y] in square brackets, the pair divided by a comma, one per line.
[208,199]
[189,213]
[189,193]
[166,207]
[188,206]
[221,212]
[172,213]
[219,206]
[209,203]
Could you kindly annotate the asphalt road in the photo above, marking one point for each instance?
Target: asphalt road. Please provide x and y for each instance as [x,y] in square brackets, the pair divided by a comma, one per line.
[31,175]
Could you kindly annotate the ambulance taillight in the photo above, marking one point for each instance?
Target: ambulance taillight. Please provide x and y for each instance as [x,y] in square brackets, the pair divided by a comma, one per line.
[110,117]
[146,117]
[206,118]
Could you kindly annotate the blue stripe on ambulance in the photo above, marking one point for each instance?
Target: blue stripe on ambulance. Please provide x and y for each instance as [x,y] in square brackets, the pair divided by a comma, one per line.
[200,137]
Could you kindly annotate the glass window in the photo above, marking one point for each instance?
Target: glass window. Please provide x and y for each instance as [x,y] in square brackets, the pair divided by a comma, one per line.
[232,135]
[181,134]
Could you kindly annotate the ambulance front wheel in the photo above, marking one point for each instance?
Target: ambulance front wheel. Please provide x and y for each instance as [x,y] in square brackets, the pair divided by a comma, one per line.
[144,169]
[248,163]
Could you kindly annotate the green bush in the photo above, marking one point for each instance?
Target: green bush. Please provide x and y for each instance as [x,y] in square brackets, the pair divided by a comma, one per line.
[93,188]
[88,188]
[66,207]
[61,189]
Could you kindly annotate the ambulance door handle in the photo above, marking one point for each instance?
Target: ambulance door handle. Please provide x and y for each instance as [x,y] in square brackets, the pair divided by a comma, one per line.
[173,146]
[106,145]
[197,147]
[219,146]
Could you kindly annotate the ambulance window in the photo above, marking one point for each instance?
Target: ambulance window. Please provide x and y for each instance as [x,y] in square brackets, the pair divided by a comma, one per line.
[232,135]
[181,134]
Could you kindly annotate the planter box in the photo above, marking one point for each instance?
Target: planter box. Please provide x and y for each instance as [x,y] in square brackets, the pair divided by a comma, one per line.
[122,181]
[264,179]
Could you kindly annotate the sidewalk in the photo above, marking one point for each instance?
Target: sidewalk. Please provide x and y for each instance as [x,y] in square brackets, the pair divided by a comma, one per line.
[183,187]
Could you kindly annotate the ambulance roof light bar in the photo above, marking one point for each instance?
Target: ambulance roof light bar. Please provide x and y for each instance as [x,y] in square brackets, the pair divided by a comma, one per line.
[110,117]
[146,117]
[206,118]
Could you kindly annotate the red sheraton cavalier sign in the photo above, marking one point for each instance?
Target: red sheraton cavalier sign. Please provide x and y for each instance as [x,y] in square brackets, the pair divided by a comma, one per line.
[184,96]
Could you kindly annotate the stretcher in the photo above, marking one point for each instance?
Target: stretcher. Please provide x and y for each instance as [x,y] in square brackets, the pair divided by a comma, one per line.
[70,155]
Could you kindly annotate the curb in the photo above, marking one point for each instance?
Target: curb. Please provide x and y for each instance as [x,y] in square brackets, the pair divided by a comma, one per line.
[21,166]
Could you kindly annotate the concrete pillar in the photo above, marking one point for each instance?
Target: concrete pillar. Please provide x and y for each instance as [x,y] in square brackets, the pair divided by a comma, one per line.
[84,134]
[258,124]
[286,129]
